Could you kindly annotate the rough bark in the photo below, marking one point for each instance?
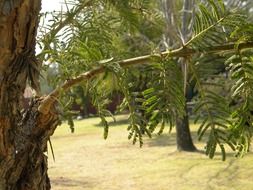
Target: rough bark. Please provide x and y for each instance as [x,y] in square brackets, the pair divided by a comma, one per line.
[23,134]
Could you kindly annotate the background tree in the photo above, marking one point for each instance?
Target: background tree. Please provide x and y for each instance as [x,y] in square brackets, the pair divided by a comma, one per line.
[179,16]
[178,31]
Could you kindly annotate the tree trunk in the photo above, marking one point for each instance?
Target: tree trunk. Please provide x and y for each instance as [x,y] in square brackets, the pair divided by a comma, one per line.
[184,140]
[23,134]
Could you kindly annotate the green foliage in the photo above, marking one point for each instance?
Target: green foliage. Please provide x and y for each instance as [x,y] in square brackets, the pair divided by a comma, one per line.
[213,23]
[100,101]
[164,97]
[240,66]
[212,103]
[111,30]
[65,105]
[136,121]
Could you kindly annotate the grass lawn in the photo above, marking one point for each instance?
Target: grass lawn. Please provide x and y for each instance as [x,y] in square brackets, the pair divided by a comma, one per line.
[85,161]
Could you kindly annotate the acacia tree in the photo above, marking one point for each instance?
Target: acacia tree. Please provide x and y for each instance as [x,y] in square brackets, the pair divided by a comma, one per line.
[155,102]
[24,133]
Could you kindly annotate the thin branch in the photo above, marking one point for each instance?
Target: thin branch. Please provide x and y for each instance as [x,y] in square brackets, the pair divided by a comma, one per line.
[52,33]
[205,30]
[51,98]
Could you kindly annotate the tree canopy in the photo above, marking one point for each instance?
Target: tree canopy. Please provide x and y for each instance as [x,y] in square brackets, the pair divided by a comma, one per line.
[217,31]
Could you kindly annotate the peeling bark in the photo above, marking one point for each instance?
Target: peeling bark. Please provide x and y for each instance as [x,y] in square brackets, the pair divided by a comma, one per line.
[23,135]
[24,165]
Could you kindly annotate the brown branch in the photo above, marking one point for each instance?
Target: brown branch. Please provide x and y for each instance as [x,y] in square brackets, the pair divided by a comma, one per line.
[181,52]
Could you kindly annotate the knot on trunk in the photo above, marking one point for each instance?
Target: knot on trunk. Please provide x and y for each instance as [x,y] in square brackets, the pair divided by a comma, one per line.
[38,124]
[25,167]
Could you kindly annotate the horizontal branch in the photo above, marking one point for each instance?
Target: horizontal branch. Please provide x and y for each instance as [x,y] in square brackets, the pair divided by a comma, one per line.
[181,52]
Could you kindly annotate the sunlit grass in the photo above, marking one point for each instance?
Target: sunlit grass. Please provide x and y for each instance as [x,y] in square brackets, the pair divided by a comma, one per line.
[85,161]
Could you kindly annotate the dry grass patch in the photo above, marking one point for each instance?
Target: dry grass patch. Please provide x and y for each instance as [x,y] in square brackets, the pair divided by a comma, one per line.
[84,161]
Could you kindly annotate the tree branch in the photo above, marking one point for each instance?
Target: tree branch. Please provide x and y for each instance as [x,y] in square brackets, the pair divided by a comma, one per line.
[51,98]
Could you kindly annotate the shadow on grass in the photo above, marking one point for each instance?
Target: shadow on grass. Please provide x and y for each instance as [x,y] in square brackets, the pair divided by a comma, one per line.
[67,182]
[162,140]
[169,139]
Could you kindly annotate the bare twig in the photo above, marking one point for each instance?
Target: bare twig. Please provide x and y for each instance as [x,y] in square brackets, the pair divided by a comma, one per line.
[52,33]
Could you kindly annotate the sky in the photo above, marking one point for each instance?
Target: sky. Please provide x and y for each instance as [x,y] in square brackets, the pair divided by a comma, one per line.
[51,5]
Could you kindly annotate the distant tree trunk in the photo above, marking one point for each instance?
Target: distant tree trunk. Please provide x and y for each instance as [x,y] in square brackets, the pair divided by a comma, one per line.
[184,139]
[23,134]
